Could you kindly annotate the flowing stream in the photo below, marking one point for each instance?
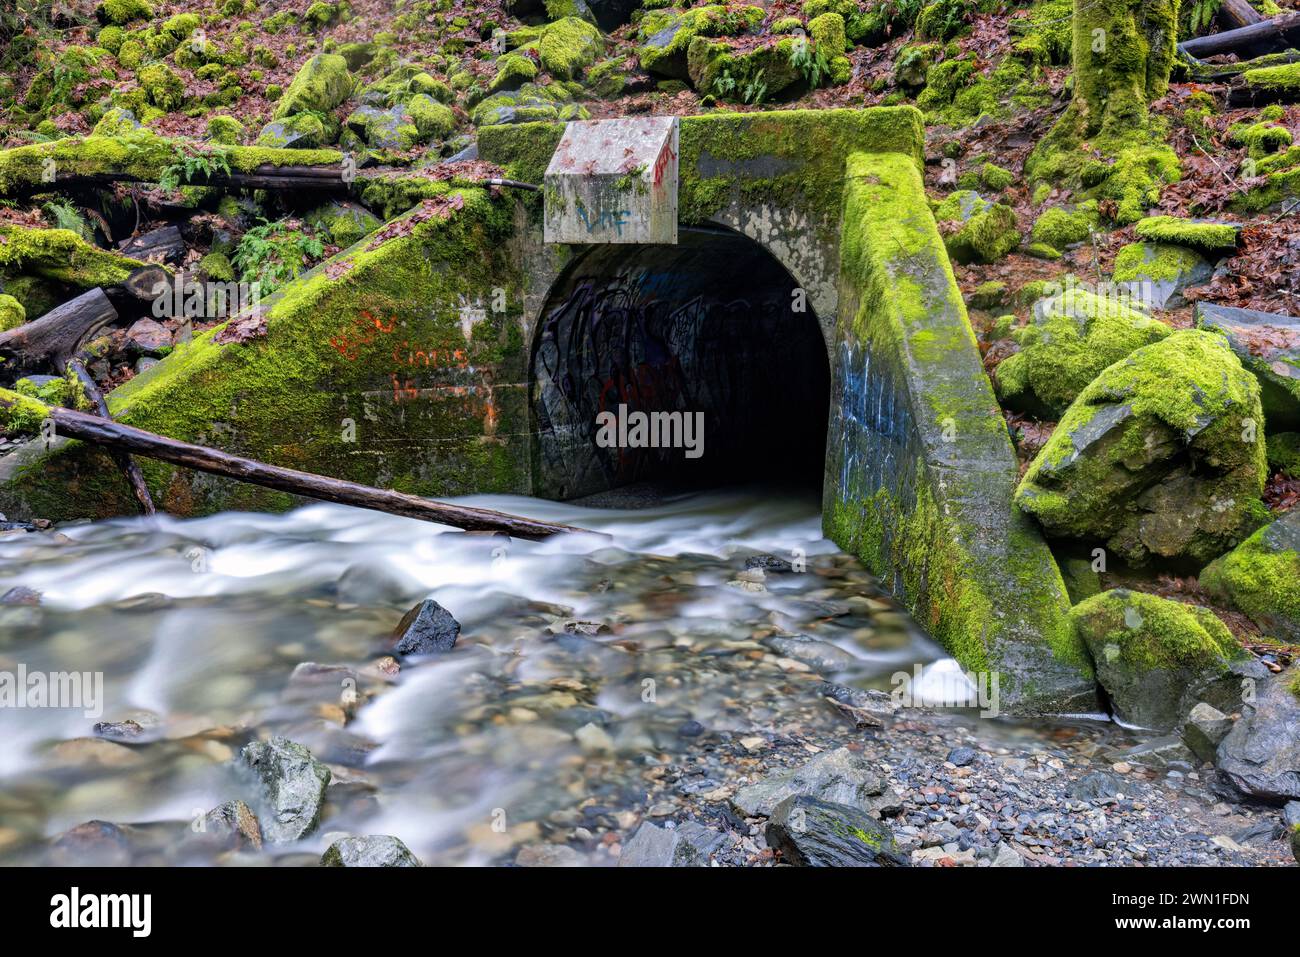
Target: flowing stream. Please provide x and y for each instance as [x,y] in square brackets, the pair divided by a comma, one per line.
[582,660]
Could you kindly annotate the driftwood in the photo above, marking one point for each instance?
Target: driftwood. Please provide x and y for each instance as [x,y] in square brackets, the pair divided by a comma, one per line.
[56,336]
[157,245]
[1266,34]
[114,435]
[123,459]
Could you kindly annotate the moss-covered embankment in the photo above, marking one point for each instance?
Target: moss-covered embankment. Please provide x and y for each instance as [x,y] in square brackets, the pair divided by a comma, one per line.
[920,468]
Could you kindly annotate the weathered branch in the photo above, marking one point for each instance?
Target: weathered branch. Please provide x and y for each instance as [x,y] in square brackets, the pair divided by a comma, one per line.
[123,459]
[1238,13]
[114,435]
[1264,33]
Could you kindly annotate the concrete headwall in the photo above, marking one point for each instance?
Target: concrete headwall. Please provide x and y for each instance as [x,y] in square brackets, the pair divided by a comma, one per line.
[920,468]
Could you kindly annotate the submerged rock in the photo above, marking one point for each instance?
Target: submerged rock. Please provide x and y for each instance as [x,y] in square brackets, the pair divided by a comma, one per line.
[818,655]
[425,629]
[376,850]
[1158,658]
[292,787]
[813,833]
[93,844]
[1260,756]
[231,827]
[690,844]
[1161,454]
[840,776]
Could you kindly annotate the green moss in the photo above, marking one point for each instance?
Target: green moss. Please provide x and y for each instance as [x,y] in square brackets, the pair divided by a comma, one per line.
[1077,336]
[1274,79]
[432,119]
[513,71]
[977,230]
[944,19]
[116,122]
[162,87]
[1153,262]
[1059,228]
[217,267]
[12,313]
[988,176]
[124,11]
[225,130]
[1149,632]
[21,414]
[1284,453]
[568,47]
[665,35]
[1183,232]
[63,256]
[1260,139]
[322,84]
[829,43]
[1260,579]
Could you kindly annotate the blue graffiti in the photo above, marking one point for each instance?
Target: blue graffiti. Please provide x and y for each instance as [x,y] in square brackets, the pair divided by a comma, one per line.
[604,219]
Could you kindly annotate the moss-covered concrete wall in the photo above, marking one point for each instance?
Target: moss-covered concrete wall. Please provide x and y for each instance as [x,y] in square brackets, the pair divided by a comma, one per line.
[920,468]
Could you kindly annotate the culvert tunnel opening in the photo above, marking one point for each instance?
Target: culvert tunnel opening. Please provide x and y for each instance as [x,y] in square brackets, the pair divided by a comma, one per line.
[681,367]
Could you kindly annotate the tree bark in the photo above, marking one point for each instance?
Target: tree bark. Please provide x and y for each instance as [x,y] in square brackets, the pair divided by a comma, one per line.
[55,337]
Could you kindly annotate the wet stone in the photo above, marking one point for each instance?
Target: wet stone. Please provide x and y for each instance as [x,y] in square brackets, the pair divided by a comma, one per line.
[291,788]
[812,833]
[838,776]
[426,629]
[376,850]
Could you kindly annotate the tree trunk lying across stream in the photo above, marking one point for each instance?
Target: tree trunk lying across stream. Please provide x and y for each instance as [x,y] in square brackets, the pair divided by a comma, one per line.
[125,438]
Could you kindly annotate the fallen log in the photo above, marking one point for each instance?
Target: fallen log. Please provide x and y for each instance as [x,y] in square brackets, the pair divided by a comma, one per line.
[1238,13]
[56,336]
[123,459]
[114,435]
[157,245]
[1264,33]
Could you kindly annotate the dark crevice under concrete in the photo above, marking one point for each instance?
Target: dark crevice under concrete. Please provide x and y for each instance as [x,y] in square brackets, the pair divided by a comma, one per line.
[713,326]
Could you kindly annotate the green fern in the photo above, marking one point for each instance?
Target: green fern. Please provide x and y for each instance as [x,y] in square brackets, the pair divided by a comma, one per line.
[192,161]
[274,253]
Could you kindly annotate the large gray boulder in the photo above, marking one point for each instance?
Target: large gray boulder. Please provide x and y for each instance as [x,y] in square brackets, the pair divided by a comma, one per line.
[1268,344]
[291,788]
[1261,754]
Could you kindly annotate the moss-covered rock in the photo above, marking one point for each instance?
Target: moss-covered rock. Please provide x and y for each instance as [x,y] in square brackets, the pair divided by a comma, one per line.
[568,47]
[162,87]
[975,229]
[829,43]
[988,176]
[1278,80]
[12,313]
[116,121]
[123,11]
[748,75]
[1161,454]
[1193,233]
[1261,577]
[343,223]
[1260,138]
[225,130]
[320,85]
[433,120]
[302,131]
[217,267]
[665,36]
[1070,340]
[513,71]
[1268,344]
[1155,274]
[1157,658]
[1059,228]
[529,104]
[944,19]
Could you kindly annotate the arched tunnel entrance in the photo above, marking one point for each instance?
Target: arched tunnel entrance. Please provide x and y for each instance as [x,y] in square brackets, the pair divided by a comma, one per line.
[690,365]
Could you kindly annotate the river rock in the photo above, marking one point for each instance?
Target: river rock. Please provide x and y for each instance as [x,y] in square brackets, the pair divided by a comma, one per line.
[292,787]
[866,708]
[148,336]
[231,827]
[427,628]
[375,850]
[1268,344]
[818,655]
[690,844]
[1156,456]
[813,833]
[1261,577]
[1205,729]
[1158,658]
[840,777]
[1260,756]
[93,844]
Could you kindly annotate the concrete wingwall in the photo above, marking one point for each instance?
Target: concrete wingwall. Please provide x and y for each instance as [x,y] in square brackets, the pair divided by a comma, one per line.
[920,468]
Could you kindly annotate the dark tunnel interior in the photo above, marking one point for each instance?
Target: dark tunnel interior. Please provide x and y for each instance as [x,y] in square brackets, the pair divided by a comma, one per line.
[714,330]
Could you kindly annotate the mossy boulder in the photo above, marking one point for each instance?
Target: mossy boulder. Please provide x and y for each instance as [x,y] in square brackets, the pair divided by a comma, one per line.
[665,36]
[343,223]
[513,71]
[320,86]
[225,130]
[303,131]
[748,75]
[390,129]
[1158,658]
[1155,274]
[433,120]
[12,313]
[1204,235]
[988,176]
[1261,577]
[1070,340]
[162,87]
[829,43]
[975,229]
[217,267]
[568,47]
[1161,454]
[530,103]
[116,121]
[1059,228]
[123,11]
